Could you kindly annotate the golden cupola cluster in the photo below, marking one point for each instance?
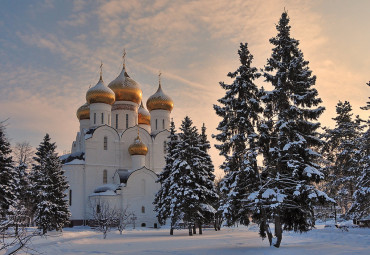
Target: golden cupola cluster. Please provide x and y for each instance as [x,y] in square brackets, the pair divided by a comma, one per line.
[143,115]
[100,93]
[159,100]
[138,147]
[125,88]
[83,112]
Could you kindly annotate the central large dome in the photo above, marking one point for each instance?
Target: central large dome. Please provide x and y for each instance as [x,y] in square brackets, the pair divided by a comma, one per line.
[125,88]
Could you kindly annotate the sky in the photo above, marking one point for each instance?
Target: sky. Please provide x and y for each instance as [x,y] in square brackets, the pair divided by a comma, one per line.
[51,50]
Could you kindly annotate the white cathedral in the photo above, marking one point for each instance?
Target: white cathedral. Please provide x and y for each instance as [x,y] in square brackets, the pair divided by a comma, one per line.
[119,150]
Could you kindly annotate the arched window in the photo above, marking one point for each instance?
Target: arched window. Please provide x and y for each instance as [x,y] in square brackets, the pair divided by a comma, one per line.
[143,209]
[105,143]
[126,120]
[102,118]
[105,176]
[164,147]
[163,123]
[108,119]
[156,124]
[70,197]
[94,117]
[97,208]
[116,120]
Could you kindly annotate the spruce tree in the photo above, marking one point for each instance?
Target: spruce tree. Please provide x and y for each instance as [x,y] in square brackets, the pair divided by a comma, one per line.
[361,197]
[238,138]
[188,192]
[290,150]
[48,187]
[207,211]
[162,199]
[8,177]
[342,151]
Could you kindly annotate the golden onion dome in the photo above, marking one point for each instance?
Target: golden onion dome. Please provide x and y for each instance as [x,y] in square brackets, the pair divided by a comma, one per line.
[83,112]
[138,147]
[100,93]
[159,101]
[125,88]
[144,115]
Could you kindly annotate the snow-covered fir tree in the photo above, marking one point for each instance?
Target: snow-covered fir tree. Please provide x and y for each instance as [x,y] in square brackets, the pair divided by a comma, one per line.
[48,186]
[291,153]
[238,138]
[361,197]
[8,176]
[188,194]
[207,211]
[162,199]
[342,151]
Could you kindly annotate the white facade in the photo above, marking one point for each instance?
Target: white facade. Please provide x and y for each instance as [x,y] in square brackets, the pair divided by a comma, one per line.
[101,169]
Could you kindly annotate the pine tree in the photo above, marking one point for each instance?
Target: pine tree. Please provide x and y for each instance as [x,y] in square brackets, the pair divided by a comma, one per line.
[162,199]
[48,187]
[238,136]
[361,197]
[290,150]
[342,151]
[8,176]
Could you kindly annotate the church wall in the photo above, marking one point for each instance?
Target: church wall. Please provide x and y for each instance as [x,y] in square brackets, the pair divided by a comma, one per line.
[159,120]
[96,111]
[158,151]
[140,192]
[96,151]
[123,108]
[75,177]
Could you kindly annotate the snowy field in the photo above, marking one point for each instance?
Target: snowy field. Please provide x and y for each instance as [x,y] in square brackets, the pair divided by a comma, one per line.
[241,240]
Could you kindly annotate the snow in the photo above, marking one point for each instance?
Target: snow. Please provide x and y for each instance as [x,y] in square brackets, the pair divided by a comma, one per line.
[242,240]
[76,162]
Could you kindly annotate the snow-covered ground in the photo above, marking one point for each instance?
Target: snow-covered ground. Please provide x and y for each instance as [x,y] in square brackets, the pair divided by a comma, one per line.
[241,240]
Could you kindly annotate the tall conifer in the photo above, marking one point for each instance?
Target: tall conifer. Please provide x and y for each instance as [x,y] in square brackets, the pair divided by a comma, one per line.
[290,150]
[48,187]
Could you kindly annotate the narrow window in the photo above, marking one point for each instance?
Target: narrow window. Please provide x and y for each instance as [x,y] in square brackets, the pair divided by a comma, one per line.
[70,197]
[108,119]
[97,208]
[105,143]
[163,124]
[143,209]
[116,120]
[164,147]
[143,224]
[94,117]
[126,120]
[105,176]
[156,124]
[102,118]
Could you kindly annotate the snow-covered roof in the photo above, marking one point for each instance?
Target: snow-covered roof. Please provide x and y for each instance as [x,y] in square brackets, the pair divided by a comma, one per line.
[73,157]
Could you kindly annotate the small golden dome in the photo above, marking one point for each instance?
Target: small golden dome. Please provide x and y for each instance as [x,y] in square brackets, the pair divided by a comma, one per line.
[144,115]
[125,88]
[138,147]
[83,112]
[100,94]
[159,101]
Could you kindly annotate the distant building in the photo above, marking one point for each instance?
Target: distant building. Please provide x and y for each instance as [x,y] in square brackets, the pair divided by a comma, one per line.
[119,150]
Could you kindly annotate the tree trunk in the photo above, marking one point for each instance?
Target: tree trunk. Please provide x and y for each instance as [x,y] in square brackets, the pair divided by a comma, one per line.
[190,230]
[200,229]
[171,231]
[215,225]
[278,231]
[194,229]
[268,232]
